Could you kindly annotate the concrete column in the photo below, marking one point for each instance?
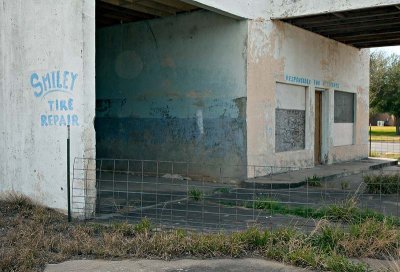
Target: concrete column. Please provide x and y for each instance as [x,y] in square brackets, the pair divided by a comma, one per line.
[46,82]
[331,117]
[310,118]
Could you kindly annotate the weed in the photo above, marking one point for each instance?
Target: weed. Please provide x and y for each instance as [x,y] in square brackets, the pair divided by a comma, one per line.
[144,226]
[222,190]
[337,263]
[343,211]
[314,181]
[327,237]
[266,203]
[124,228]
[344,185]
[382,184]
[196,194]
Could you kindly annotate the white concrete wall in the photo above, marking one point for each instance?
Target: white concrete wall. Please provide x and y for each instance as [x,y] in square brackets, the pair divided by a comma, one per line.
[37,38]
[291,97]
[343,134]
[279,52]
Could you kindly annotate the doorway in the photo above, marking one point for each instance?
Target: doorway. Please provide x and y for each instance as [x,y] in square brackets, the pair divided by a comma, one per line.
[318,127]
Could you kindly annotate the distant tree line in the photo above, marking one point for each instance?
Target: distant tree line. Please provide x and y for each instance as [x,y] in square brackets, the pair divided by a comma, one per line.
[384,92]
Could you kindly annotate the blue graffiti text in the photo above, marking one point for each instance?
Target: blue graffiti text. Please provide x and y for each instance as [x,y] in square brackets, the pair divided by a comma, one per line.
[54,81]
[59,120]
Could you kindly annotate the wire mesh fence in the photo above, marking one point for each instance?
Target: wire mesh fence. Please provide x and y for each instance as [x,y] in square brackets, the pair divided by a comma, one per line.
[384,142]
[209,197]
[385,146]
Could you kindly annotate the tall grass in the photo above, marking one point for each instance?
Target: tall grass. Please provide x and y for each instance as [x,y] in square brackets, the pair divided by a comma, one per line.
[33,236]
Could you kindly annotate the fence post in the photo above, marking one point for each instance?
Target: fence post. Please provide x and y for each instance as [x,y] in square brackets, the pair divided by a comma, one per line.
[370,142]
[68,176]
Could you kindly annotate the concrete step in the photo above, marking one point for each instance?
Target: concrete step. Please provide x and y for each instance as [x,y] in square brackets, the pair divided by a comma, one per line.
[298,178]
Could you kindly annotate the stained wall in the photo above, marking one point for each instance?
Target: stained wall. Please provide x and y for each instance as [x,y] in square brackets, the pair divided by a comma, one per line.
[173,89]
[46,83]
[283,54]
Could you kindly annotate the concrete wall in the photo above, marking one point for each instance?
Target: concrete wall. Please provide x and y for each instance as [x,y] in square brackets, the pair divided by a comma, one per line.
[291,8]
[240,9]
[46,81]
[173,89]
[178,88]
[279,52]
[343,134]
[266,9]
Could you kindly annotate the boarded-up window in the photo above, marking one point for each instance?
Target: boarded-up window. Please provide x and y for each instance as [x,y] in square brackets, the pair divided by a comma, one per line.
[344,119]
[290,118]
[344,107]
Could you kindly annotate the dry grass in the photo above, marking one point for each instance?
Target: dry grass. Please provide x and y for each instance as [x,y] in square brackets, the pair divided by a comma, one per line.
[31,236]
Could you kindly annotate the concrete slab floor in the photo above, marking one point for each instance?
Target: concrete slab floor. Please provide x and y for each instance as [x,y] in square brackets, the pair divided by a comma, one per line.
[227,208]
[187,265]
[167,203]
[324,172]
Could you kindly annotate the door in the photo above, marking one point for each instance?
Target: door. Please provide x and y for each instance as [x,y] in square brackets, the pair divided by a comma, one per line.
[317,135]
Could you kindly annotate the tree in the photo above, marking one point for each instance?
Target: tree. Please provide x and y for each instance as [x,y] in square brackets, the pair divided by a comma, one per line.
[384,93]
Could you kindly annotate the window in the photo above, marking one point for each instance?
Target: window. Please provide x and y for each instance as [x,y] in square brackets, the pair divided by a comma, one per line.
[344,118]
[290,118]
[344,107]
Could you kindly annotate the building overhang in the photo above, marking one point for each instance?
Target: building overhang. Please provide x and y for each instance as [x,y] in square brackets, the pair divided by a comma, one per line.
[112,12]
[361,28]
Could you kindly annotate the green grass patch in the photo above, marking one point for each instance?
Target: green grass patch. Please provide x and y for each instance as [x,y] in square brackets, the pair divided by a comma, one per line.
[346,211]
[384,134]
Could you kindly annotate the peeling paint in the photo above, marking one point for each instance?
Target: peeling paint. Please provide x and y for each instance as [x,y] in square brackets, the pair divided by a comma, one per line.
[191,106]
[276,49]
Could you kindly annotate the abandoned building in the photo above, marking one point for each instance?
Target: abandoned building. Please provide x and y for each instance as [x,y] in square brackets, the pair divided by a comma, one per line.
[228,82]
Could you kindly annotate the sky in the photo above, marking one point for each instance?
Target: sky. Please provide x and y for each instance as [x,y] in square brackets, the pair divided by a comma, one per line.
[389,49]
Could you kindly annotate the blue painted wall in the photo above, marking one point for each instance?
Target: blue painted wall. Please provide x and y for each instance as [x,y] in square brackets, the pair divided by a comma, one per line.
[173,89]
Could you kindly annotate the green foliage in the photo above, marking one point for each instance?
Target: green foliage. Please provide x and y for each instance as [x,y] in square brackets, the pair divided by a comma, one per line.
[196,194]
[328,237]
[346,211]
[382,184]
[144,226]
[384,95]
[344,185]
[265,203]
[337,263]
[314,181]
[253,237]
